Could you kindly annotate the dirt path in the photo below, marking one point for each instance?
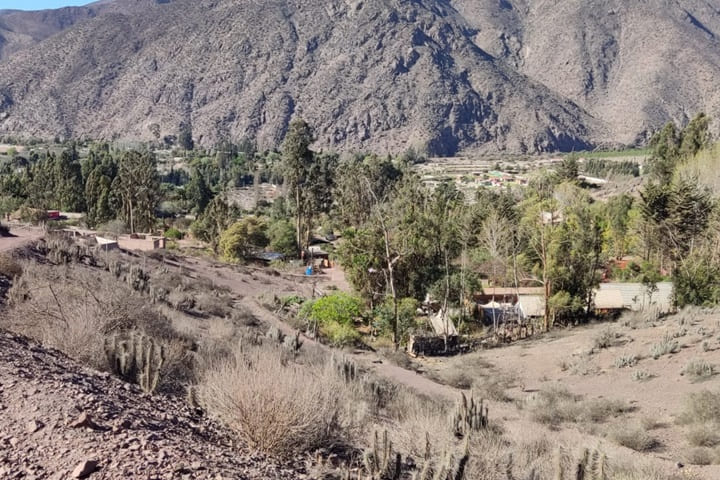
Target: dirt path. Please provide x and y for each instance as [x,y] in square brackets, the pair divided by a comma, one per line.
[22,236]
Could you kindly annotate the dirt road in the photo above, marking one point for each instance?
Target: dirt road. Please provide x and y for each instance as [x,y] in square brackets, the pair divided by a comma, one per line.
[21,236]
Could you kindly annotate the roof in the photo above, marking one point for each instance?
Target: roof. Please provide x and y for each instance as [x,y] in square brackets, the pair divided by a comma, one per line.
[531,305]
[508,291]
[635,295]
[609,299]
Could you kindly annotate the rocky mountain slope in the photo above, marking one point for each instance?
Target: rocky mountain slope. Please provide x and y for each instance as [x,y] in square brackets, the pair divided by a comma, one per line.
[59,421]
[447,75]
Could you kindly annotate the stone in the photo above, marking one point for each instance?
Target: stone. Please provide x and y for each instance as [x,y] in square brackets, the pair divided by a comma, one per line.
[85,469]
[84,421]
[33,426]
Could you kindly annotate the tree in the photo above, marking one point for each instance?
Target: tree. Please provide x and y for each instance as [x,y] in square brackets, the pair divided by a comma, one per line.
[138,188]
[185,136]
[216,218]
[695,136]
[297,159]
[197,192]
[243,238]
[69,185]
[281,234]
[569,169]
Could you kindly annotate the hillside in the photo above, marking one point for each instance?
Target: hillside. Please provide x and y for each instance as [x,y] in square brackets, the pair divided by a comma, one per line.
[385,75]
[44,397]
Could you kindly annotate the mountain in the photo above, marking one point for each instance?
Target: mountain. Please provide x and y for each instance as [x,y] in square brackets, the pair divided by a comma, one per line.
[486,75]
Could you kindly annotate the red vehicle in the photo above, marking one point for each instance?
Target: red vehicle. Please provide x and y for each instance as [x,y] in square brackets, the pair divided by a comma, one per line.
[53,215]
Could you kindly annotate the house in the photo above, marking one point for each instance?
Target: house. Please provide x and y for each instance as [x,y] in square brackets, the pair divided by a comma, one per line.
[141,242]
[637,297]
[530,307]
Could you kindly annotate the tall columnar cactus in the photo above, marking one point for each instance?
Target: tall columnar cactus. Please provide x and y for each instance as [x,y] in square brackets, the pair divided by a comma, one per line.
[590,466]
[449,468]
[381,463]
[469,416]
[136,358]
[346,368]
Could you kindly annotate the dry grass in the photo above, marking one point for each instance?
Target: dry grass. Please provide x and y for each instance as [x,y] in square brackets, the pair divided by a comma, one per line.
[699,370]
[278,407]
[9,267]
[557,405]
[703,436]
[701,408]
[635,438]
[666,346]
[75,308]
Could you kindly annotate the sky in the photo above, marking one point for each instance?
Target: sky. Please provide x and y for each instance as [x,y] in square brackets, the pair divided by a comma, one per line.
[39,4]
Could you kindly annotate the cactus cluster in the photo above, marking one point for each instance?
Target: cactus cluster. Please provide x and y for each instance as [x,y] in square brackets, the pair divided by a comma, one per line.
[136,358]
[591,466]
[380,462]
[469,416]
[346,368]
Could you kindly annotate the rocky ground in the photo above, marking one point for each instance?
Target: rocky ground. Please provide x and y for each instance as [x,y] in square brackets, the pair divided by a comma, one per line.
[59,420]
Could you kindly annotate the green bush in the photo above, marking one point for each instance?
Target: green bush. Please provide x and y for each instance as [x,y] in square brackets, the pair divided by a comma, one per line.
[384,314]
[338,308]
[339,335]
[334,315]
[174,233]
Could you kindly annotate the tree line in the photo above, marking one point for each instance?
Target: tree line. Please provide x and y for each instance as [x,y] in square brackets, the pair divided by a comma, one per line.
[401,239]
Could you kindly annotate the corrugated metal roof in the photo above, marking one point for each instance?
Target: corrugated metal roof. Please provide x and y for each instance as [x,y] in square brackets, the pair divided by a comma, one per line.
[609,299]
[636,297]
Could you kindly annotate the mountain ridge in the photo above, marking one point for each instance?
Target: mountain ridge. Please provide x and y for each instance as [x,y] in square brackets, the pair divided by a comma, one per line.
[382,75]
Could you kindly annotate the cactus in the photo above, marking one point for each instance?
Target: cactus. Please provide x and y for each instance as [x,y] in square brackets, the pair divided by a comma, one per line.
[136,358]
[591,466]
[469,416]
[275,334]
[293,343]
[346,368]
[380,462]
[449,469]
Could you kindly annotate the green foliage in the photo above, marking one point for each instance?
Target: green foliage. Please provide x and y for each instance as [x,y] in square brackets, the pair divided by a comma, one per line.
[174,233]
[137,185]
[339,335]
[216,218]
[384,316]
[335,316]
[243,238]
[596,167]
[281,235]
[336,308]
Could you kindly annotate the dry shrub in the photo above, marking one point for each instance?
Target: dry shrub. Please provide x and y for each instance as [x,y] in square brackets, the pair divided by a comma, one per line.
[278,407]
[699,370]
[213,304]
[9,267]
[73,309]
[635,438]
[495,387]
[702,408]
[699,456]
[703,436]
[557,405]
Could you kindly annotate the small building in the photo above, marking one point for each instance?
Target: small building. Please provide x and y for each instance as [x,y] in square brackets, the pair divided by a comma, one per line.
[141,242]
